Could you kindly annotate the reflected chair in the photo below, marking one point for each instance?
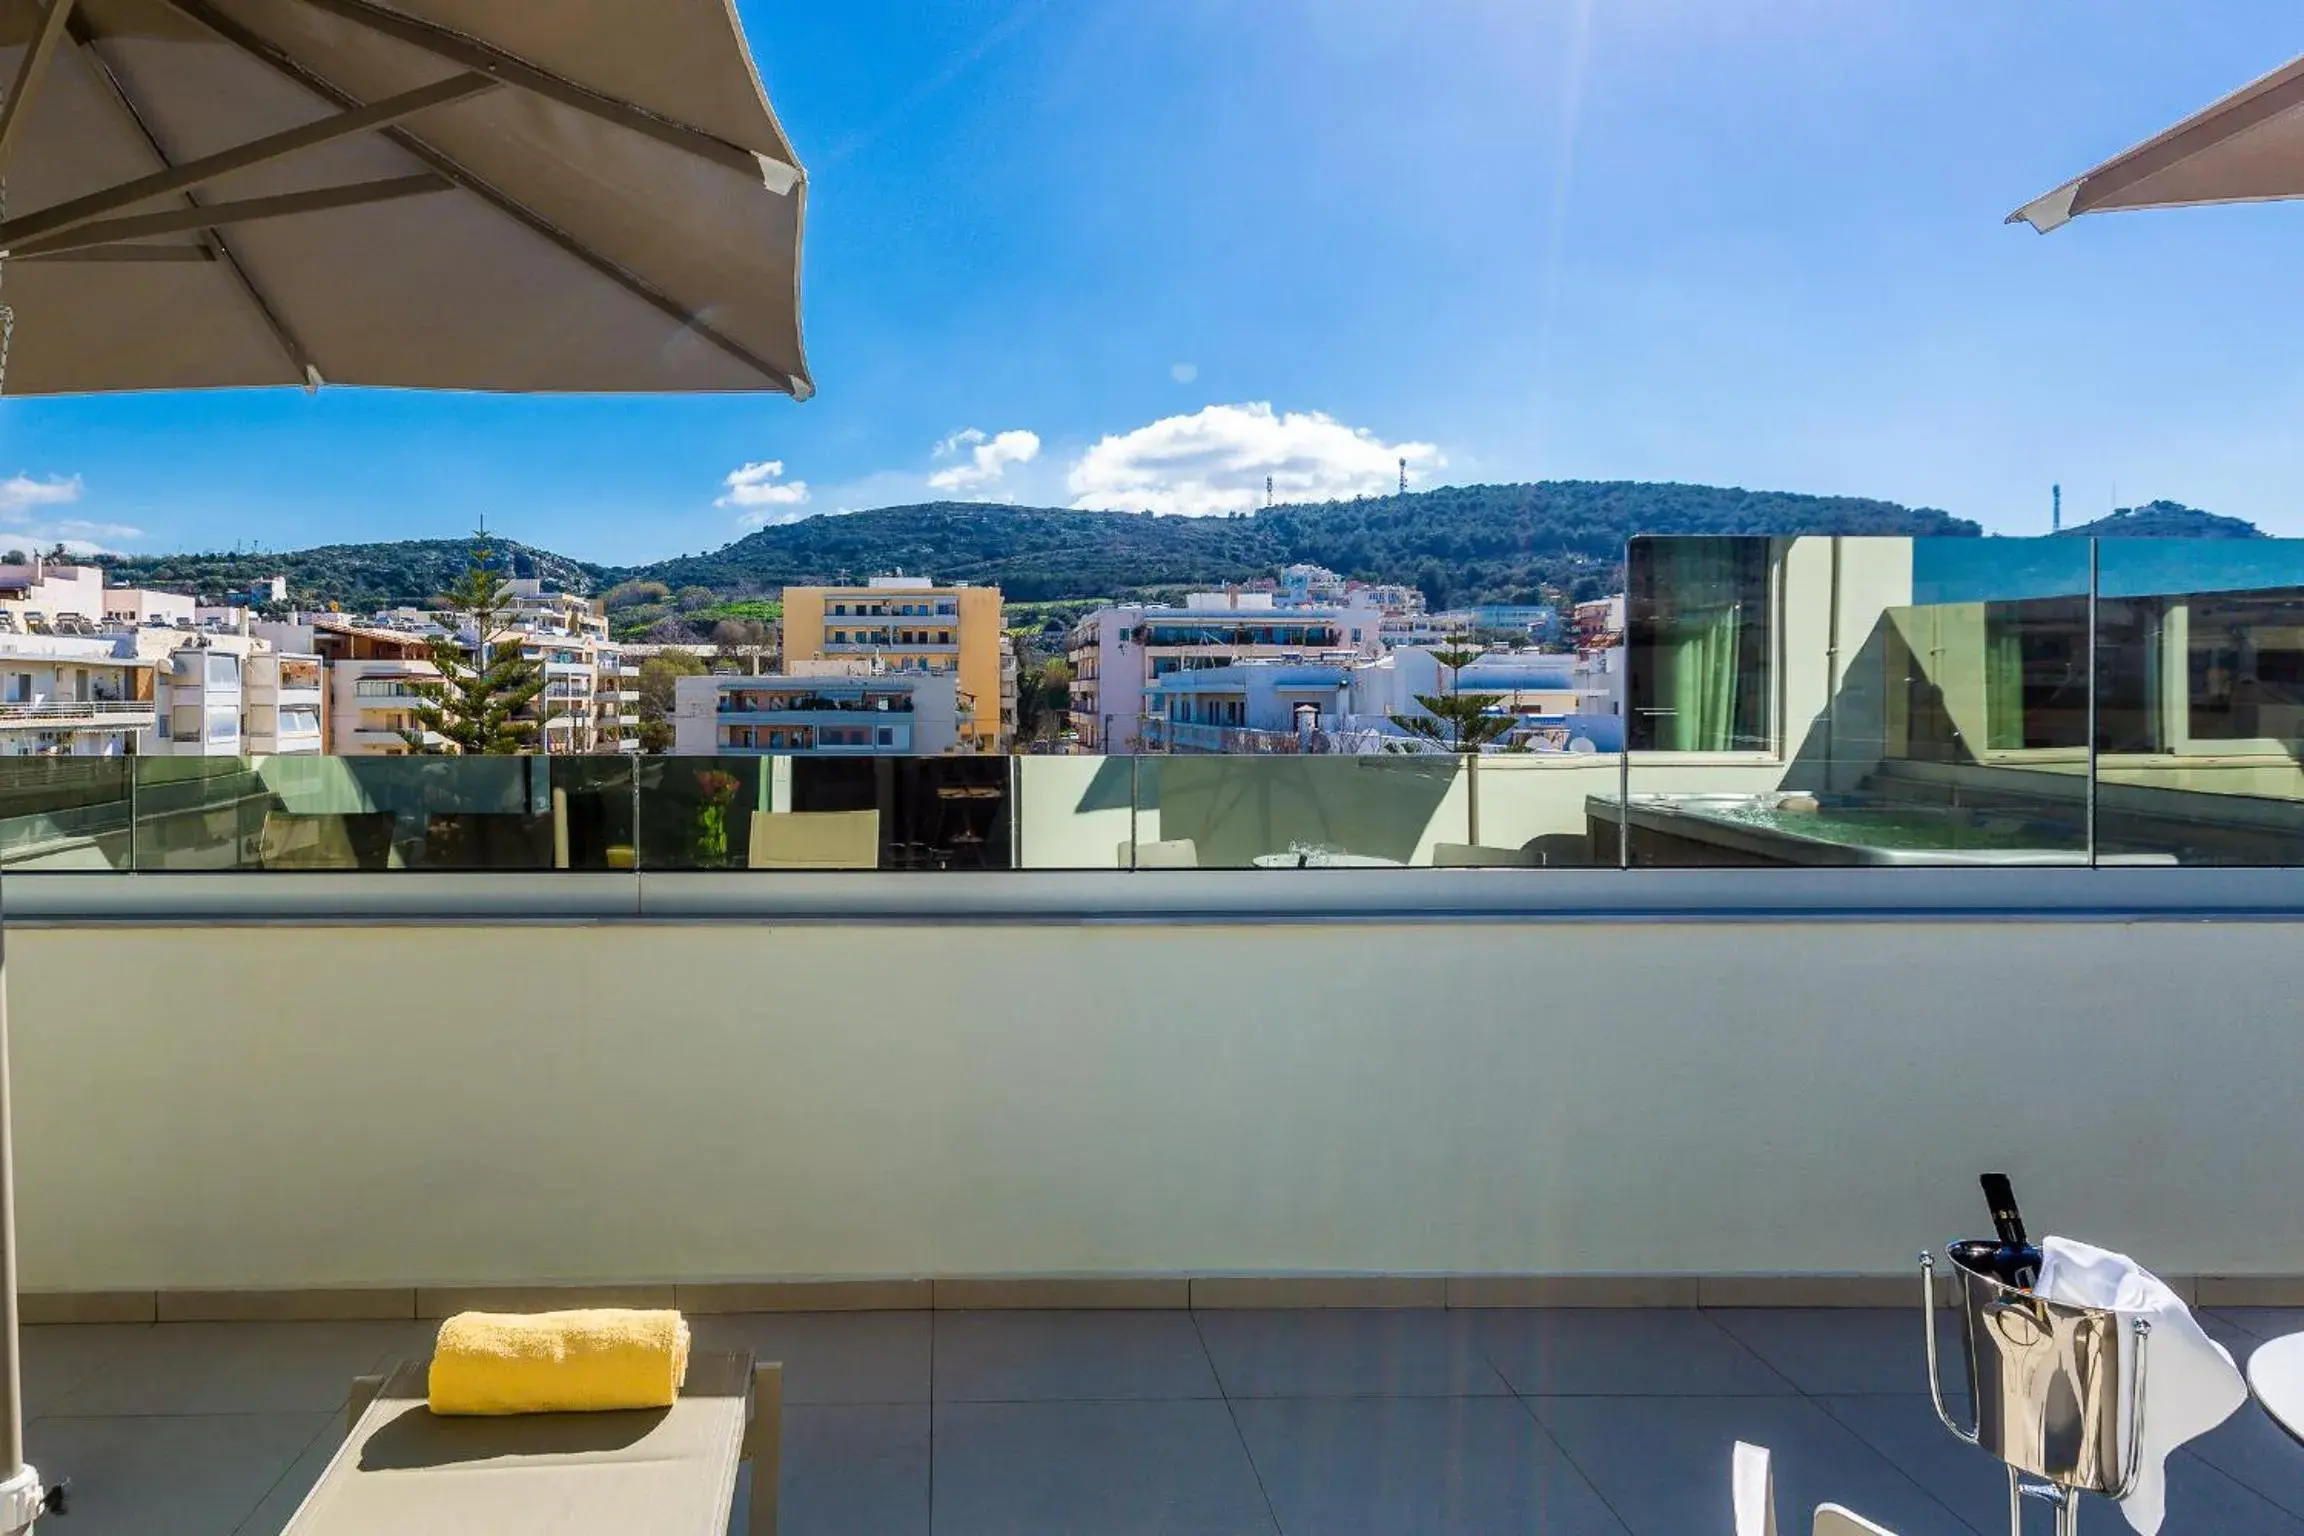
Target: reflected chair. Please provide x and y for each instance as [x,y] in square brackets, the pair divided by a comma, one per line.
[816,840]
[353,840]
[673,1470]
[475,841]
[1474,856]
[1753,1482]
[1182,853]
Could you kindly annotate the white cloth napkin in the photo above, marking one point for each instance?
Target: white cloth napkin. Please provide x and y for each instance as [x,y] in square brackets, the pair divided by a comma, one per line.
[2190,1382]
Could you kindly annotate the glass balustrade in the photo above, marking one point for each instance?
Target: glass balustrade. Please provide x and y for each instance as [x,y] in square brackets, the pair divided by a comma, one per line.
[1788,702]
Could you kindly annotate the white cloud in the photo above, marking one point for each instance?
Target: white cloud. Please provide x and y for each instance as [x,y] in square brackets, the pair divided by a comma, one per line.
[21,497]
[1216,461]
[21,493]
[763,495]
[1185,373]
[989,458]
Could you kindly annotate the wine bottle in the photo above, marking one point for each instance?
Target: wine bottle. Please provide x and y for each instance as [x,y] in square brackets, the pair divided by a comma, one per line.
[2015,1261]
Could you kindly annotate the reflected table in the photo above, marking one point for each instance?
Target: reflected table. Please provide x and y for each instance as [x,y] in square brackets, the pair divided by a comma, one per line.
[2276,1376]
[1322,858]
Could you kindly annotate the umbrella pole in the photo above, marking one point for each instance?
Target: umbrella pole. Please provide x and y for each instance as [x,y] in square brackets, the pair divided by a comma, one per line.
[22,1499]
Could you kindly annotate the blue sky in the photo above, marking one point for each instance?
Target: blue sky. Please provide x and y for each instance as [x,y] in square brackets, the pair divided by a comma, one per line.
[1143,252]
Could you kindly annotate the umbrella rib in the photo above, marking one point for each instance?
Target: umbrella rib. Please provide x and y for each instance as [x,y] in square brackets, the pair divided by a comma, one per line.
[30,71]
[273,146]
[178,221]
[219,250]
[257,47]
[470,52]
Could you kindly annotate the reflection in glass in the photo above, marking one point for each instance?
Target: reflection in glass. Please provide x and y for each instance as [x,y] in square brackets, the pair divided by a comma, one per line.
[1299,812]
[1931,699]
[1698,626]
[65,813]
[2200,723]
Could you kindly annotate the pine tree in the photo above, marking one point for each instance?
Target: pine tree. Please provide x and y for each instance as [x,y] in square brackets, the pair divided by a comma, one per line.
[477,708]
[1456,721]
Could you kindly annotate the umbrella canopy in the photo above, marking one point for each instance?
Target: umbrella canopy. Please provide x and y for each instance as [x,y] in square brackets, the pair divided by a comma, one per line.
[2247,148]
[521,195]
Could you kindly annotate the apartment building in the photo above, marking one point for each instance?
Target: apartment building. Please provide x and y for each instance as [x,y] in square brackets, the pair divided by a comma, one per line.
[1119,653]
[227,694]
[373,679]
[909,624]
[73,695]
[827,709]
[591,698]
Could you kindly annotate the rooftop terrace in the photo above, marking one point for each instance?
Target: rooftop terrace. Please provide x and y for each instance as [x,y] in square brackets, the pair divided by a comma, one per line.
[1304,1423]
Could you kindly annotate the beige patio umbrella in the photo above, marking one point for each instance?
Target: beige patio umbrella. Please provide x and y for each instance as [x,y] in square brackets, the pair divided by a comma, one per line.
[521,195]
[2247,148]
[528,195]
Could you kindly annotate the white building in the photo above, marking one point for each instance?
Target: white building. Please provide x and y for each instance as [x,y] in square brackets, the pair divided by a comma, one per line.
[1118,653]
[826,709]
[228,695]
[73,695]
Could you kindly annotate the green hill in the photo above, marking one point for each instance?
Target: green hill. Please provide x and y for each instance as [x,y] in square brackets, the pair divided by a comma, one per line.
[1460,544]
[2166,520]
[361,577]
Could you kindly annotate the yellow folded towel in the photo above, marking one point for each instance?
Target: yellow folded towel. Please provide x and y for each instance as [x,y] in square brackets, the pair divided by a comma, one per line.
[558,1362]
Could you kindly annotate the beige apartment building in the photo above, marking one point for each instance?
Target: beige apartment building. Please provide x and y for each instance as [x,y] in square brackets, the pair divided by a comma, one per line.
[910,624]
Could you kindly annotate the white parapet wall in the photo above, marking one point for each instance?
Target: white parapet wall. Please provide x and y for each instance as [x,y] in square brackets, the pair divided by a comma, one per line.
[258,1106]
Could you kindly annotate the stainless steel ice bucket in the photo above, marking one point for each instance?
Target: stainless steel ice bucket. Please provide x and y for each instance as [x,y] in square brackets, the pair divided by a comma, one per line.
[2048,1381]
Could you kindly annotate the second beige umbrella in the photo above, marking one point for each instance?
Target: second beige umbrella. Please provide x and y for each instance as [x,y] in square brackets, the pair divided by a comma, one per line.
[2247,148]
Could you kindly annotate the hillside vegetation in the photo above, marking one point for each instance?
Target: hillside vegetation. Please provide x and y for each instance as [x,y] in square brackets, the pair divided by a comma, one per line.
[1460,544]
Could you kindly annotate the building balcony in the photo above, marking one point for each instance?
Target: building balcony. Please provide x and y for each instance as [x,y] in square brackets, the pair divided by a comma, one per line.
[905,647]
[78,714]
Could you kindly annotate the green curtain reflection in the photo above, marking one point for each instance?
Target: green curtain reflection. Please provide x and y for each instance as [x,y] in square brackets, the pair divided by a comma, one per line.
[1698,653]
[2003,683]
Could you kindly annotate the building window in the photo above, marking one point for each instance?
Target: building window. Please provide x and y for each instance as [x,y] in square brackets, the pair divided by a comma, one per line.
[187,722]
[887,737]
[1701,644]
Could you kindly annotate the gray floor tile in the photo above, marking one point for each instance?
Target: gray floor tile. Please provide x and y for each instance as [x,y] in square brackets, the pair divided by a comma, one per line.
[1082,1356]
[2257,1454]
[2202,1501]
[173,1476]
[849,1470]
[1115,1469]
[832,1357]
[1848,1349]
[1640,1352]
[57,1359]
[2231,1335]
[1349,1353]
[179,1368]
[1431,1466]
[1662,1462]
[2265,1323]
[287,1495]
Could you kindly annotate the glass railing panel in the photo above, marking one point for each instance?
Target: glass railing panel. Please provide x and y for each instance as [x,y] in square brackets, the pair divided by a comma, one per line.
[65,813]
[794,814]
[1855,702]
[1075,812]
[695,813]
[2200,701]
[1283,812]
[439,814]
[200,814]
[1533,810]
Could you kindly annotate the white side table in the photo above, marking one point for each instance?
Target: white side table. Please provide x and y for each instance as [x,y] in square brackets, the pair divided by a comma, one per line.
[2276,1376]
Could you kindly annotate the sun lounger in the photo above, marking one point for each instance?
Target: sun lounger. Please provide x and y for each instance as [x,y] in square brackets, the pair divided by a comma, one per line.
[404,1472]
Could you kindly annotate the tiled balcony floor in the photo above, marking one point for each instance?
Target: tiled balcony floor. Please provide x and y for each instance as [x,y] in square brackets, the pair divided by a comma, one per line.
[1307,1423]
